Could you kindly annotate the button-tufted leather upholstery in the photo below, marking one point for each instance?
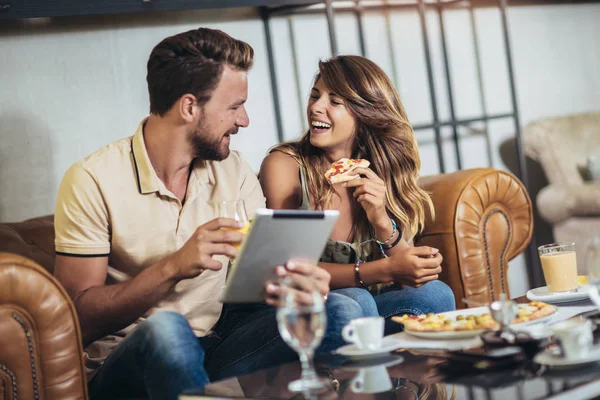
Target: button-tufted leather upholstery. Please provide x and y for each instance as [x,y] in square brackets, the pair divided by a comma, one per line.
[483,220]
[41,356]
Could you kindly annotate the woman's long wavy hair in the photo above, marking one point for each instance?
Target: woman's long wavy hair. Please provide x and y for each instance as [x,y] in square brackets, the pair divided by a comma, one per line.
[383,136]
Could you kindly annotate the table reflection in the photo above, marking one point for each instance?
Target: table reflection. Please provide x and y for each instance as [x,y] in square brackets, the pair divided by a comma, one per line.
[415,375]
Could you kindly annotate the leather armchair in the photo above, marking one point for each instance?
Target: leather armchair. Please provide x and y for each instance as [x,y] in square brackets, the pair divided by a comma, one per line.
[483,220]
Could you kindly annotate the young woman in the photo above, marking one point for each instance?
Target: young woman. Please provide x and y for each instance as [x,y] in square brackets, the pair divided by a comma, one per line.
[354,111]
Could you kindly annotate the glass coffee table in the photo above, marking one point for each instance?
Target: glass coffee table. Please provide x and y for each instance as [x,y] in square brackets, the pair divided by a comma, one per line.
[482,373]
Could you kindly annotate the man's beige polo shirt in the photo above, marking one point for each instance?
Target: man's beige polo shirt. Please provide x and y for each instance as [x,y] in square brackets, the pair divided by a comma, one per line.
[113,203]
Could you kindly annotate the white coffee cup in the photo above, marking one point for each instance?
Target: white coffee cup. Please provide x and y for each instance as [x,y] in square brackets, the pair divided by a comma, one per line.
[365,333]
[575,337]
[371,380]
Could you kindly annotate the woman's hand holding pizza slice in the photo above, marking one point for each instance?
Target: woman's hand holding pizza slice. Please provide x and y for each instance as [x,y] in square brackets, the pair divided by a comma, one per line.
[369,189]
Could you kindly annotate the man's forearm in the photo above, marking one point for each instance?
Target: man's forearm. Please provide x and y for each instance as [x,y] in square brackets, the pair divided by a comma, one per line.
[106,309]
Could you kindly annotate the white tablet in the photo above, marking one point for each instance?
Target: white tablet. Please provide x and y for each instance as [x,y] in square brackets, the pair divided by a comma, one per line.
[275,237]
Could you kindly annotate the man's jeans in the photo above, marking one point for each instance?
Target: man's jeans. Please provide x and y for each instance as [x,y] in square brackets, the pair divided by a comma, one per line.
[162,357]
[434,296]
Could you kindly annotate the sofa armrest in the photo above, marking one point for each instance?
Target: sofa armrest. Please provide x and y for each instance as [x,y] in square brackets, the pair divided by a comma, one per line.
[558,202]
[484,218]
[42,350]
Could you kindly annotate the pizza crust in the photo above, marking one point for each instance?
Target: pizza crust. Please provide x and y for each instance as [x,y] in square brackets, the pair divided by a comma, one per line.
[340,171]
[342,178]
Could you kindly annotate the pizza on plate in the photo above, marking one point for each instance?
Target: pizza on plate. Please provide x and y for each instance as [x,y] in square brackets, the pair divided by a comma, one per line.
[444,323]
[532,311]
[340,170]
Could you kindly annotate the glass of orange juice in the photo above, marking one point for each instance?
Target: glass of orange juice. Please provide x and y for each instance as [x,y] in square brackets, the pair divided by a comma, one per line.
[235,209]
[559,264]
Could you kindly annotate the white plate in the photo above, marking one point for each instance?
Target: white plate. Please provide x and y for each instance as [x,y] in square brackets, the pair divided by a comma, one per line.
[542,294]
[468,334]
[552,358]
[350,350]
[446,335]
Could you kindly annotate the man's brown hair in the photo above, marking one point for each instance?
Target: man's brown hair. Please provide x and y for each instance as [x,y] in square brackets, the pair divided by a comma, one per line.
[192,62]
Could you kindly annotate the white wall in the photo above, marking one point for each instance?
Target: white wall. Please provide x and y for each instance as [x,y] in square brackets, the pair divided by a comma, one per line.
[69,86]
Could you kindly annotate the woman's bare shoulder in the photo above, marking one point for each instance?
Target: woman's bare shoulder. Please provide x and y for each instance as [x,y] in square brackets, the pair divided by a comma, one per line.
[279,160]
[280,181]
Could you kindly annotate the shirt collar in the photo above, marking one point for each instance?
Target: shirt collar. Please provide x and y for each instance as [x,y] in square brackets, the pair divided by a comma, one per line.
[148,181]
[203,172]
[146,176]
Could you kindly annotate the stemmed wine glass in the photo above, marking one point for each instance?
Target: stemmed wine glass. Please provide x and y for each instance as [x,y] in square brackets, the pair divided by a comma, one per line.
[302,321]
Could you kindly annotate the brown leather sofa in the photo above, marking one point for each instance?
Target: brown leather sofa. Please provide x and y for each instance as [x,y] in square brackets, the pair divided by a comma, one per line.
[484,219]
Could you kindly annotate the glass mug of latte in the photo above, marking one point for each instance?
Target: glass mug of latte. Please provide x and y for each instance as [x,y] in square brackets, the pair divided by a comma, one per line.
[559,264]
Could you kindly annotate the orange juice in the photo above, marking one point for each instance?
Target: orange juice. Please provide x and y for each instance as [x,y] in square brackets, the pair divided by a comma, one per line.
[244,229]
[560,270]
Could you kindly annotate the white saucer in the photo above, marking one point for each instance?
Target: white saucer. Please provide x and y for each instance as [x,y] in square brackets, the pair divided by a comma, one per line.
[552,358]
[542,294]
[350,350]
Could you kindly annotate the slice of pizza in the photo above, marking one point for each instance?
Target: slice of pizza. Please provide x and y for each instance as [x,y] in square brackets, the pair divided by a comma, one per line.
[532,311]
[340,171]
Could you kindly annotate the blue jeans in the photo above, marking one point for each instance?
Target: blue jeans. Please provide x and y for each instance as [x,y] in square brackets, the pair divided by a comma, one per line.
[434,296]
[162,357]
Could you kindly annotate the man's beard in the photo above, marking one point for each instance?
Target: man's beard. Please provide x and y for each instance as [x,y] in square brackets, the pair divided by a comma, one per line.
[207,148]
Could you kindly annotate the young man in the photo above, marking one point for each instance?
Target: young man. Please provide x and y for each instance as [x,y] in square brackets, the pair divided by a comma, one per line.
[139,248]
